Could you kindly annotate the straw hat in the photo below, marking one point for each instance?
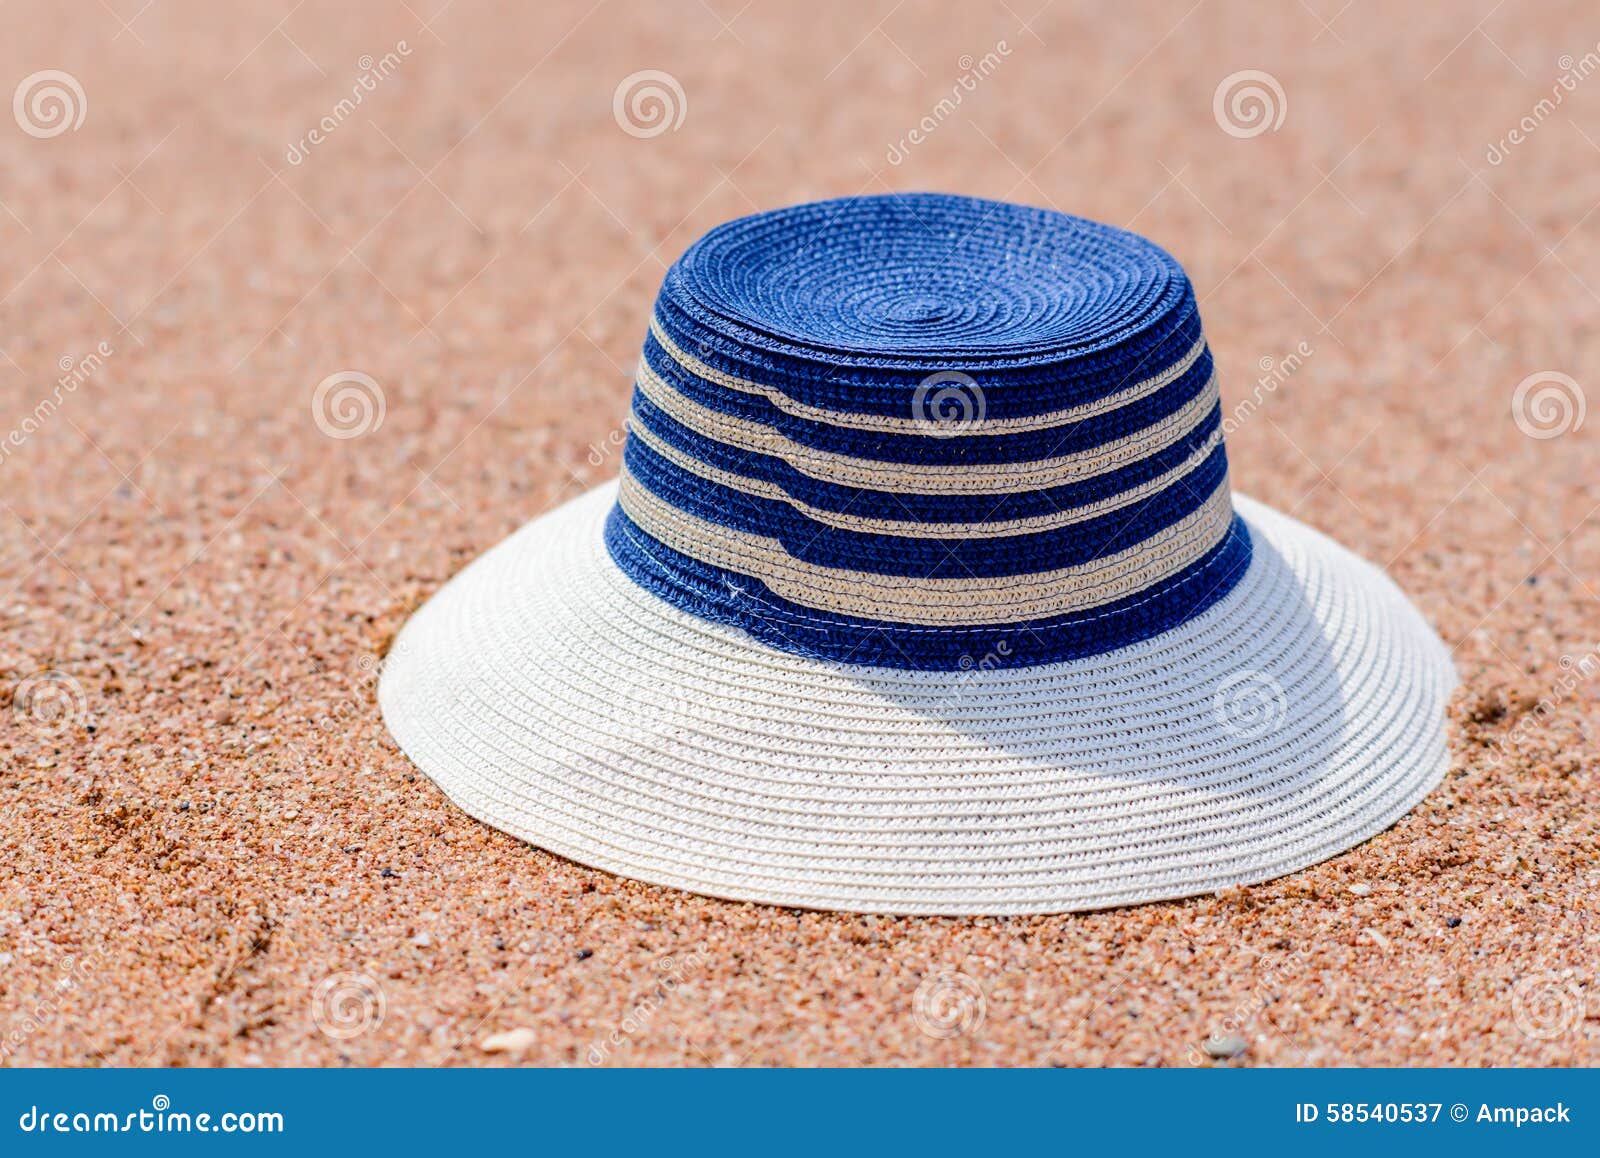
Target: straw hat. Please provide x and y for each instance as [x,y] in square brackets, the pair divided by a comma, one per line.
[924,590]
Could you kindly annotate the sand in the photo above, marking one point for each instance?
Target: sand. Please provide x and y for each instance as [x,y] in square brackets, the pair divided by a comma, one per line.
[211,852]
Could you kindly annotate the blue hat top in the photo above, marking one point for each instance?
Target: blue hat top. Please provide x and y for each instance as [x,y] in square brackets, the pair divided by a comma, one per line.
[917,430]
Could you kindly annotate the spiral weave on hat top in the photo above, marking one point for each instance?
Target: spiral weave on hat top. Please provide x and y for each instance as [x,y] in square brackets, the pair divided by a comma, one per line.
[902,430]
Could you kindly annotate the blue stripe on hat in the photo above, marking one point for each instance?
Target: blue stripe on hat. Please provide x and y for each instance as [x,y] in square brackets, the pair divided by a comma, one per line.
[736,600]
[779,477]
[1073,437]
[931,558]
[865,503]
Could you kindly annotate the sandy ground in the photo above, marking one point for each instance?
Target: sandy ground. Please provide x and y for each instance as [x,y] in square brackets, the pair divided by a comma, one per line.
[212,853]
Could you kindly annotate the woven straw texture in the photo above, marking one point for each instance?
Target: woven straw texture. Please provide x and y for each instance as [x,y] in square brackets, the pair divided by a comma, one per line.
[1065,676]
[885,430]
[553,698]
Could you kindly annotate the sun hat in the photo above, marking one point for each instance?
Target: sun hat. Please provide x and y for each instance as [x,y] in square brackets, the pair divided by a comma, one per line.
[924,590]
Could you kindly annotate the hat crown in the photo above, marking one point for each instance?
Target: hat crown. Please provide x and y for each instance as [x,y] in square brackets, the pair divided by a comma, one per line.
[918,430]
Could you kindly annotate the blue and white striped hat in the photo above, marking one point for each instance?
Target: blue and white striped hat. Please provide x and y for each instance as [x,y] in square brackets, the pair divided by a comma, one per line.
[923,589]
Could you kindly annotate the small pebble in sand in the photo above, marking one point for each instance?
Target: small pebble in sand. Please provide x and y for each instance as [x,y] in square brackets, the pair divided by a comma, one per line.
[512,1041]
[1229,1045]
[1362,889]
[1453,922]
[422,940]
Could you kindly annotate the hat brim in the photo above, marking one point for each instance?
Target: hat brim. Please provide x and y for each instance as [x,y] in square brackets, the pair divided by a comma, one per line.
[552,698]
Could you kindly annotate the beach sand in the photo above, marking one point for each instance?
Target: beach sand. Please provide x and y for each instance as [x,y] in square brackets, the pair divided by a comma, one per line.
[211,852]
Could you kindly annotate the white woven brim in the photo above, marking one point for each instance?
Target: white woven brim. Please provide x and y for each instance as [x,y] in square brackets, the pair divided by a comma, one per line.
[552,698]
